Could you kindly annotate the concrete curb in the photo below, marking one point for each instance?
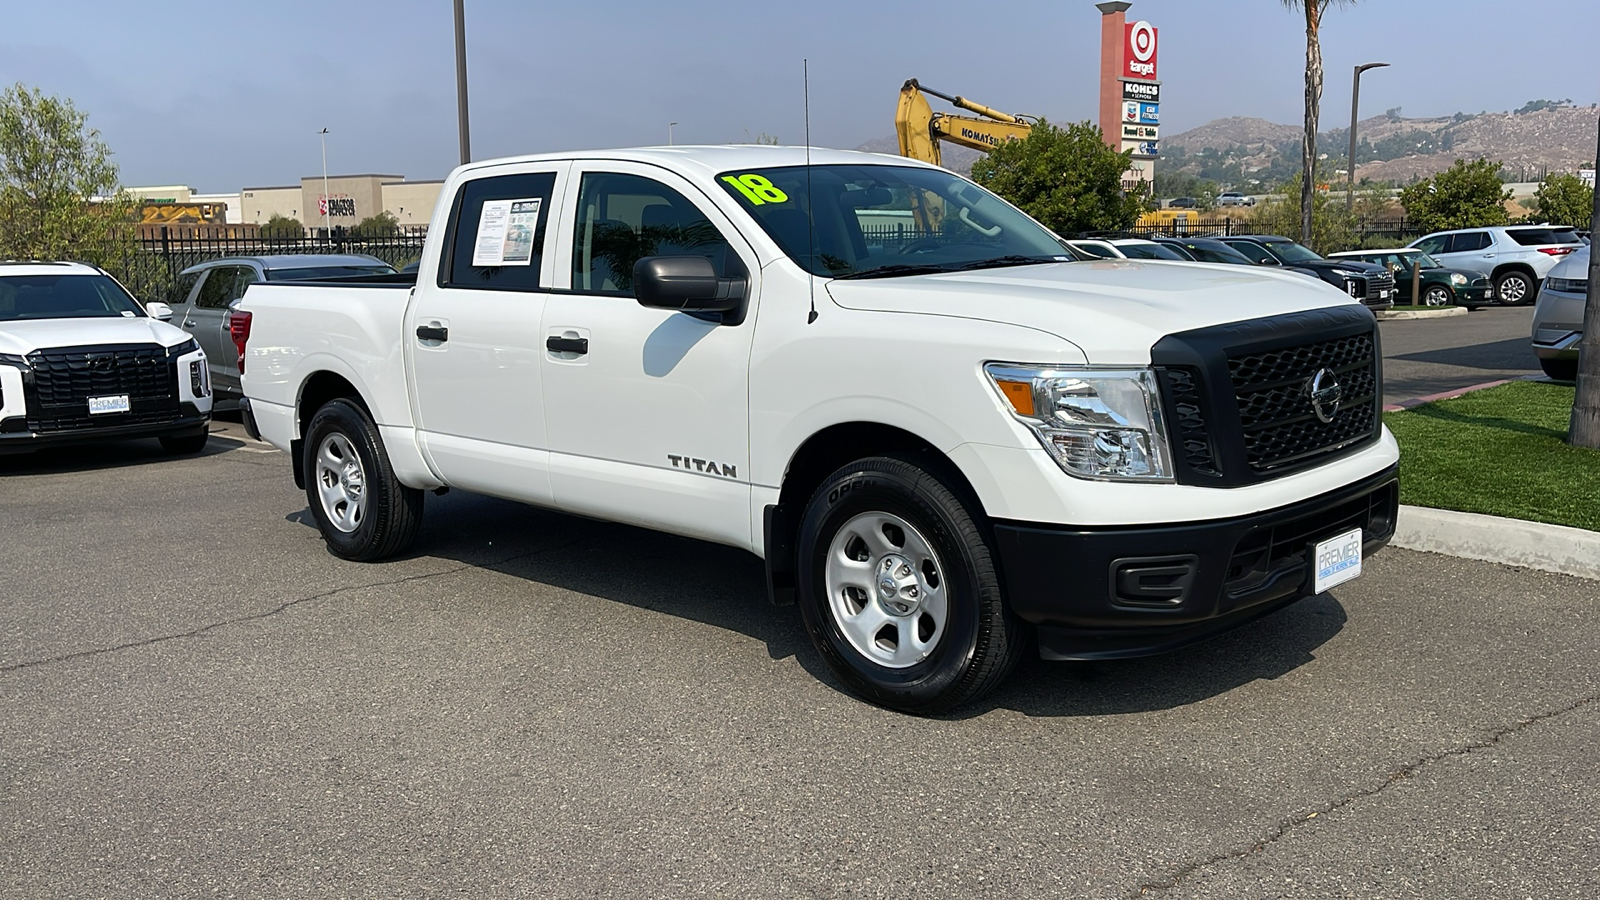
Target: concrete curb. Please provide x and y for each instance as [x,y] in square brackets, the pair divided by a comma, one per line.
[1450,395]
[1439,313]
[1513,542]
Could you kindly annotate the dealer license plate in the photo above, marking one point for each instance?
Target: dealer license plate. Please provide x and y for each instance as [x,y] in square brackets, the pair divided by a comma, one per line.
[1383,295]
[114,404]
[1337,560]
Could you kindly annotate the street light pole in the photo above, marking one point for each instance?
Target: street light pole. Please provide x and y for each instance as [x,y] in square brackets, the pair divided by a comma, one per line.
[326,199]
[1350,162]
[669,133]
[461,84]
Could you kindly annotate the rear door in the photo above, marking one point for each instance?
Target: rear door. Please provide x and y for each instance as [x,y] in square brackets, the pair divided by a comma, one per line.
[648,409]
[473,337]
[1470,250]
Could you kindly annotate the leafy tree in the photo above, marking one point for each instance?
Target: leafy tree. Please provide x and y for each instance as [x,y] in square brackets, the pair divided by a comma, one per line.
[1313,10]
[1334,226]
[59,195]
[1564,200]
[1067,178]
[281,226]
[1466,195]
[1537,105]
[383,224]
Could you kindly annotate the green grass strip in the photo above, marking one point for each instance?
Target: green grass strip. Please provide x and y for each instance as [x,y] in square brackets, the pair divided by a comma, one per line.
[1501,452]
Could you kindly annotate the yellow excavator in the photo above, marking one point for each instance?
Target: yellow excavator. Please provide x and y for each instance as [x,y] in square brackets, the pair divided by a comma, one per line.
[920,129]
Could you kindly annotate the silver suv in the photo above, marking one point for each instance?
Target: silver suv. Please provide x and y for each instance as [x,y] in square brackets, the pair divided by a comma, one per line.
[1558,319]
[1514,257]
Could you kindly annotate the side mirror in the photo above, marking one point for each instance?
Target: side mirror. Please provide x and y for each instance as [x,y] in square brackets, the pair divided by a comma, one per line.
[1269,261]
[687,284]
[158,310]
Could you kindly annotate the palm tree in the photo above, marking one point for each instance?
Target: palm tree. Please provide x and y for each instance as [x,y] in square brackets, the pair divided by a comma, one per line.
[1308,144]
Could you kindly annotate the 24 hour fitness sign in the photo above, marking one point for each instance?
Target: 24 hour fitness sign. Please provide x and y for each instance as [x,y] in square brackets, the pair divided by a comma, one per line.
[1139,51]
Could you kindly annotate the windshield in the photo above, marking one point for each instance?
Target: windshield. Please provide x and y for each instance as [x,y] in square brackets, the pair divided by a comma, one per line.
[310,273]
[1289,251]
[65,297]
[1217,252]
[1149,251]
[883,221]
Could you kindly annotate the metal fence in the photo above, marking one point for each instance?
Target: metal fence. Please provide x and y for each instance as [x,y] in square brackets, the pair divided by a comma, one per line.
[149,265]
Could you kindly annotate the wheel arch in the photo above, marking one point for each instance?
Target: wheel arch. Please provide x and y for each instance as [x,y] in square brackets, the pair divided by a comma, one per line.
[817,457]
[316,390]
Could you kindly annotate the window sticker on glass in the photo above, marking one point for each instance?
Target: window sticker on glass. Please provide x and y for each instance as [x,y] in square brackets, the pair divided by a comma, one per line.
[505,232]
[757,189]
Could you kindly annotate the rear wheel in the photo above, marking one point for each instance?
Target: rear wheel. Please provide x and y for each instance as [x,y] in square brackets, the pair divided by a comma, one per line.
[1436,295]
[1560,369]
[898,587]
[362,509]
[1514,288]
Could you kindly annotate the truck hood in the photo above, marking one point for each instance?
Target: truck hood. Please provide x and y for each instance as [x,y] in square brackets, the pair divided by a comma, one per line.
[1113,310]
[25,336]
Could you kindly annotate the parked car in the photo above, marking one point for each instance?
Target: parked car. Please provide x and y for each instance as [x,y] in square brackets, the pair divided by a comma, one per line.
[1206,250]
[946,452]
[82,360]
[1183,203]
[1125,248]
[1235,198]
[1558,316]
[1371,284]
[1514,257]
[1437,285]
[205,291]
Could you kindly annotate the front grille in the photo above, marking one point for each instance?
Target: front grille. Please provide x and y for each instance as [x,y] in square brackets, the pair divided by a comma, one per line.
[1278,551]
[1238,398]
[1280,424]
[1377,285]
[64,378]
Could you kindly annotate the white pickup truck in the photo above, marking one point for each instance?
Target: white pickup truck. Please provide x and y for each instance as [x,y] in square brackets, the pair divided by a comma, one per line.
[949,437]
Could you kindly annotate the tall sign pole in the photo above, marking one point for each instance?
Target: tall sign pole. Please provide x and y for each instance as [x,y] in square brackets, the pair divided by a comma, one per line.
[1130,93]
[461,84]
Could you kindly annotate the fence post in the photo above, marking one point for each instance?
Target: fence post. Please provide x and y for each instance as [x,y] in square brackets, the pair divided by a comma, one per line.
[166,256]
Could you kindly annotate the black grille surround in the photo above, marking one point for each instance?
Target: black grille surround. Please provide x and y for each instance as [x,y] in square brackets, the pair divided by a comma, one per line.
[61,380]
[1238,401]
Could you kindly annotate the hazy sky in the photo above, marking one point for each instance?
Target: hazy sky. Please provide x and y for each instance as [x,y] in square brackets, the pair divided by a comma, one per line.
[226,94]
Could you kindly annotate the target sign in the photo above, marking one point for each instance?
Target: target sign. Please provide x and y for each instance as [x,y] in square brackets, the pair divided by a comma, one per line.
[1139,51]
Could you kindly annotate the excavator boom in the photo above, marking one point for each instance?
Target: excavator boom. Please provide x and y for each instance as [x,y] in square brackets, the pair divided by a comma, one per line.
[920,129]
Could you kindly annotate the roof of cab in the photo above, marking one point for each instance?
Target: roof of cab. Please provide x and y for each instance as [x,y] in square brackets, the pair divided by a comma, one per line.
[44,267]
[291,261]
[709,160]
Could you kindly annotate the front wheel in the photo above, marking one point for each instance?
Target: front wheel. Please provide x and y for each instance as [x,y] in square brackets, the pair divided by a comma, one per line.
[1514,289]
[1436,295]
[898,587]
[362,509]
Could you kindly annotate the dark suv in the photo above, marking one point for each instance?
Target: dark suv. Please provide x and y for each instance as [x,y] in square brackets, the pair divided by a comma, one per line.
[1371,284]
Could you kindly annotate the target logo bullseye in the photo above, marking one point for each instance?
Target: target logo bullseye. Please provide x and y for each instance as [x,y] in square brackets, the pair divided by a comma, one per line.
[1140,50]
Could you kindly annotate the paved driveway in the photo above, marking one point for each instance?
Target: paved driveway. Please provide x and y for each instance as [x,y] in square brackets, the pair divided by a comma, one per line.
[1430,356]
[197,700]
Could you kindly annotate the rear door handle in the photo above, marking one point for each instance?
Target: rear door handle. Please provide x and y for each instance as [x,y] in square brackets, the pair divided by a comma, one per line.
[433,333]
[579,346]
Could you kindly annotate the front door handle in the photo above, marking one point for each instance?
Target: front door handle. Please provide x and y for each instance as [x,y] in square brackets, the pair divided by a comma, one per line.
[433,333]
[555,344]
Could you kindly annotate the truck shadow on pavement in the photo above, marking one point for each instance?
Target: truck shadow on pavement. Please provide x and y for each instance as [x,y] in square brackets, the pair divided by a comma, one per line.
[107,455]
[726,588]
[1514,353]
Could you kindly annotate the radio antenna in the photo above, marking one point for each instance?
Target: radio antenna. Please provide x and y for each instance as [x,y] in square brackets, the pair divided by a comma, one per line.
[811,213]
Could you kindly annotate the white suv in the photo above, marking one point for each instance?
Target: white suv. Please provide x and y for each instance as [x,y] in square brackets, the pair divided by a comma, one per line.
[1515,257]
[82,360]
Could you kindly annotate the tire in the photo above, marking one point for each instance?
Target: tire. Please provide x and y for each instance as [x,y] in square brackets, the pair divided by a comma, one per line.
[187,445]
[363,511]
[1560,369]
[898,588]
[1514,289]
[1437,295]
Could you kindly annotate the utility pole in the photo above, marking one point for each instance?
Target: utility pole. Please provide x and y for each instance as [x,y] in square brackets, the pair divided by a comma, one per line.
[1355,101]
[1584,428]
[461,84]
[669,132]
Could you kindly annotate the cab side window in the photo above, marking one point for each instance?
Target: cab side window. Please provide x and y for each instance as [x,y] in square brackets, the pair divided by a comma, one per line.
[246,277]
[217,289]
[1468,240]
[497,233]
[624,218]
[184,287]
[1255,252]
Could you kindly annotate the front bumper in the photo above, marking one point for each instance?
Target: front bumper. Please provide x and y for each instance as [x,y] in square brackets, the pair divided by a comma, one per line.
[16,438]
[1105,593]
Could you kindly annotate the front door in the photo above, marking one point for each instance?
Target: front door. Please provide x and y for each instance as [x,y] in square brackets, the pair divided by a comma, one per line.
[647,409]
[203,319]
[473,334]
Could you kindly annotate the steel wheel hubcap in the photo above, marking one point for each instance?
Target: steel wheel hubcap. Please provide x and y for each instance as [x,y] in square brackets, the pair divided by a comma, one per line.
[886,589]
[341,483]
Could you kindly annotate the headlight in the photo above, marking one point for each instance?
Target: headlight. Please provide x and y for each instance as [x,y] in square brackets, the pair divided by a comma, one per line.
[1458,278]
[1096,423]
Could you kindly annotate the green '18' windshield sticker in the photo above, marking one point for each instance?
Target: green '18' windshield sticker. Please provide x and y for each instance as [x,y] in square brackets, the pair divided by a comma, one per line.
[757,189]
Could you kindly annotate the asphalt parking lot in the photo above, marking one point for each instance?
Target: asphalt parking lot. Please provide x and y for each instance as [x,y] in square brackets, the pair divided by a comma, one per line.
[1422,357]
[197,700]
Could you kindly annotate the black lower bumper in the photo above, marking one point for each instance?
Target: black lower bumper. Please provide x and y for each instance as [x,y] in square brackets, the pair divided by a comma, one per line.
[1103,593]
[15,437]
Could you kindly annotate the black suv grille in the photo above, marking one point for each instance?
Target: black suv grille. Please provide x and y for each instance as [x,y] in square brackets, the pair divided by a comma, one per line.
[1377,285]
[64,378]
[1238,398]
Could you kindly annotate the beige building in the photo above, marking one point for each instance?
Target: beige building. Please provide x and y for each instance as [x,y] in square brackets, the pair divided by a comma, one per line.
[352,198]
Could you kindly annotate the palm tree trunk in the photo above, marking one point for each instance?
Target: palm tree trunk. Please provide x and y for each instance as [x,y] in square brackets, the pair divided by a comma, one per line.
[1584,429]
[1308,144]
